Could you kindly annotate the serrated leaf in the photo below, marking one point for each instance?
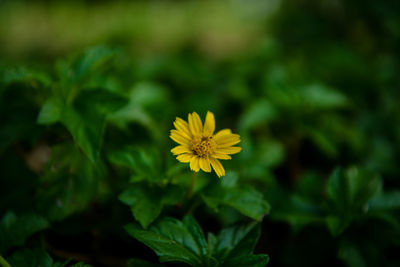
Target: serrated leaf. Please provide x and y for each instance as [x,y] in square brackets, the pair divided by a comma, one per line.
[349,192]
[170,239]
[85,119]
[147,105]
[184,241]
[237,240]
[244,199]
[195,231]
[15,230]
[144,163]
[147,201]
[236,244]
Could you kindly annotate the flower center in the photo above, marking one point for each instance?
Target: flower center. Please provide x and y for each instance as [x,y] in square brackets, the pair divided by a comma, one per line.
[203,145]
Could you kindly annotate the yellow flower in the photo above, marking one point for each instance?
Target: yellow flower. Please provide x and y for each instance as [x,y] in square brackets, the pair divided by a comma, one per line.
[200,146]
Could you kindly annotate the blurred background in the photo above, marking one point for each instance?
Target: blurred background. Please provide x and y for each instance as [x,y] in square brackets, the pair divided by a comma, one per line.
[311,86]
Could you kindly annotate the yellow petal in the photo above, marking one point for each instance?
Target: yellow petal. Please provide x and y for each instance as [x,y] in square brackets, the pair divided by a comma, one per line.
[194,164]
[228,140]
[205,164]
[180,149]
[229,150]
[221,134]
[185,157]
[217,166]
[221,156]
[197,122]
[183,127]
[209,123]
[195,125]
[179,138]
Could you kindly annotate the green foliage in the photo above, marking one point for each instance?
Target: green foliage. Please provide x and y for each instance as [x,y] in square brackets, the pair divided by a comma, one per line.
[146,201]
[245,199]
[86,107]
[348,195]
[351,195]
[80,106]
[184,241]
[15,230]
[70,182]
[145,164]
[38,257]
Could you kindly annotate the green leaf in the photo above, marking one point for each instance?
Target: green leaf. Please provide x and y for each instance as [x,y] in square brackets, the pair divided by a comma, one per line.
[147,103]
[18,112]
[92,59]
[353,188]
[86,119]
[81,264]
[144,163]
[300,212]
[244,199]
[25,75]
[236,244]
[15,230]
[247,261]
[69,184]
[195,231]
[147,201]
[351,255]
[184,241]
[38,257]
[258,114]
[74,72]
[51,111]
[385,201]
[349,192]
[322,140]
[86,130]
[105,102]
[29,258]
[170,239]
[237,241]
[320,96]
[261,155]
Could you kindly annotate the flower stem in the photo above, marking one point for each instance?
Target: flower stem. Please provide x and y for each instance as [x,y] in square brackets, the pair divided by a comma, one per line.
[191,189]
[3,262]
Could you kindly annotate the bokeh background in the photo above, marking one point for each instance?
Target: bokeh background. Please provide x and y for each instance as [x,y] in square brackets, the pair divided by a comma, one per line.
[313,88]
